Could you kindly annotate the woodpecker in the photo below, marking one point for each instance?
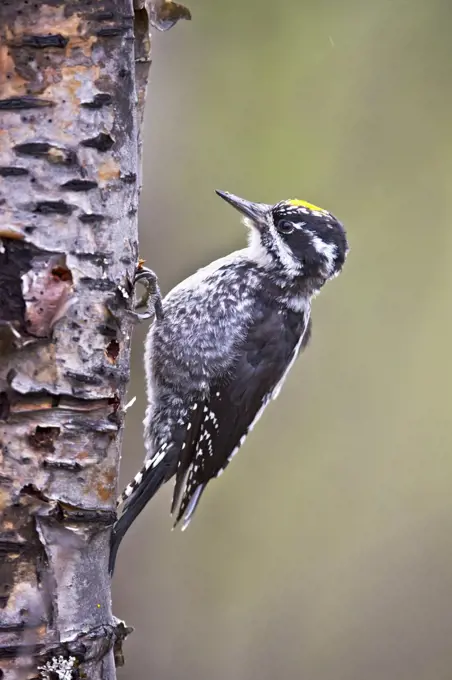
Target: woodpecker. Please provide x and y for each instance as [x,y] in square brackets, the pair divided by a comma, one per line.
[222,346]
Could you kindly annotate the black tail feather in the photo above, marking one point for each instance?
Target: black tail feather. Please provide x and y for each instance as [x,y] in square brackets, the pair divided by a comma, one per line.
[153,478]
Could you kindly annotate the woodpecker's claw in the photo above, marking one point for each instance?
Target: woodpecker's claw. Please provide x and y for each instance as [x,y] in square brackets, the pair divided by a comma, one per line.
[151,298]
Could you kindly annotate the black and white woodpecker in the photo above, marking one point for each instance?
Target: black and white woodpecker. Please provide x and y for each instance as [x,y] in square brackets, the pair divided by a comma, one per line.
[223,347]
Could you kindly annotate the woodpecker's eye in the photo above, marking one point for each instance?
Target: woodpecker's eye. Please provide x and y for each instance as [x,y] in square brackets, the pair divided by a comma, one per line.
[285,227]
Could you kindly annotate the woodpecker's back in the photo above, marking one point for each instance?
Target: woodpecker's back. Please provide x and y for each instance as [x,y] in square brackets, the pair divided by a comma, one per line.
[227,339]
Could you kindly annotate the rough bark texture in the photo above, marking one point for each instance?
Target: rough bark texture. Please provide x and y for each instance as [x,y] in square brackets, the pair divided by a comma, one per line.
[69,163]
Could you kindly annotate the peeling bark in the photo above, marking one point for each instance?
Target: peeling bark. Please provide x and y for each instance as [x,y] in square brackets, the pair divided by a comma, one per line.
[69,183]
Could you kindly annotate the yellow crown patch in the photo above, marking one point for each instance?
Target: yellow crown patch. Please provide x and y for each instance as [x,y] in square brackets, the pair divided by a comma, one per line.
[297,203]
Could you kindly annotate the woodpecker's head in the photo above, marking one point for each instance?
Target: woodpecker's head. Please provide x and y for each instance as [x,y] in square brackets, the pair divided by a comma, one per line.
[302,238]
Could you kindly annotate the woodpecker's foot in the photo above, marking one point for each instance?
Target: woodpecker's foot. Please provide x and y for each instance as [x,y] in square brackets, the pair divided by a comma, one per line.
[151,299]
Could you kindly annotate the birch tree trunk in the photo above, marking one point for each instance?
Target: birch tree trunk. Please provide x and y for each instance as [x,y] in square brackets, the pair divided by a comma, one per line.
[70,79]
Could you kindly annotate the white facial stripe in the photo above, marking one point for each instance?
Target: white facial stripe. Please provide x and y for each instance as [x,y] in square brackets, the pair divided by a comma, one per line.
[292,265]
[328,250]
[257,252]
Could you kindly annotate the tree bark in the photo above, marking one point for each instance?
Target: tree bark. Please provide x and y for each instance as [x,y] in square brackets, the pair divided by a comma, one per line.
[69,184]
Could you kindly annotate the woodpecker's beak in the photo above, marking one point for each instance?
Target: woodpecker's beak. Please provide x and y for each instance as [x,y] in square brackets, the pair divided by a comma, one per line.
[256,211]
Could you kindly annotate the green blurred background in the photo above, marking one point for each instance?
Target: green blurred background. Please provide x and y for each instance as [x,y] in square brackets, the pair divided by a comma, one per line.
[325,551]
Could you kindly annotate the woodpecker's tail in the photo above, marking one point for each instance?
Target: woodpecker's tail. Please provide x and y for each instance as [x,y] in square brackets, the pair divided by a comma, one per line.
[147,482]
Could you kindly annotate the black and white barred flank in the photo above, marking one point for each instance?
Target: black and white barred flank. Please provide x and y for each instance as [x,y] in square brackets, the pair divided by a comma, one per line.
[228,336]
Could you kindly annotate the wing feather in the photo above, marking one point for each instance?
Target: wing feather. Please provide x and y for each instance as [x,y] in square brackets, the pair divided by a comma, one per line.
[235,402]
